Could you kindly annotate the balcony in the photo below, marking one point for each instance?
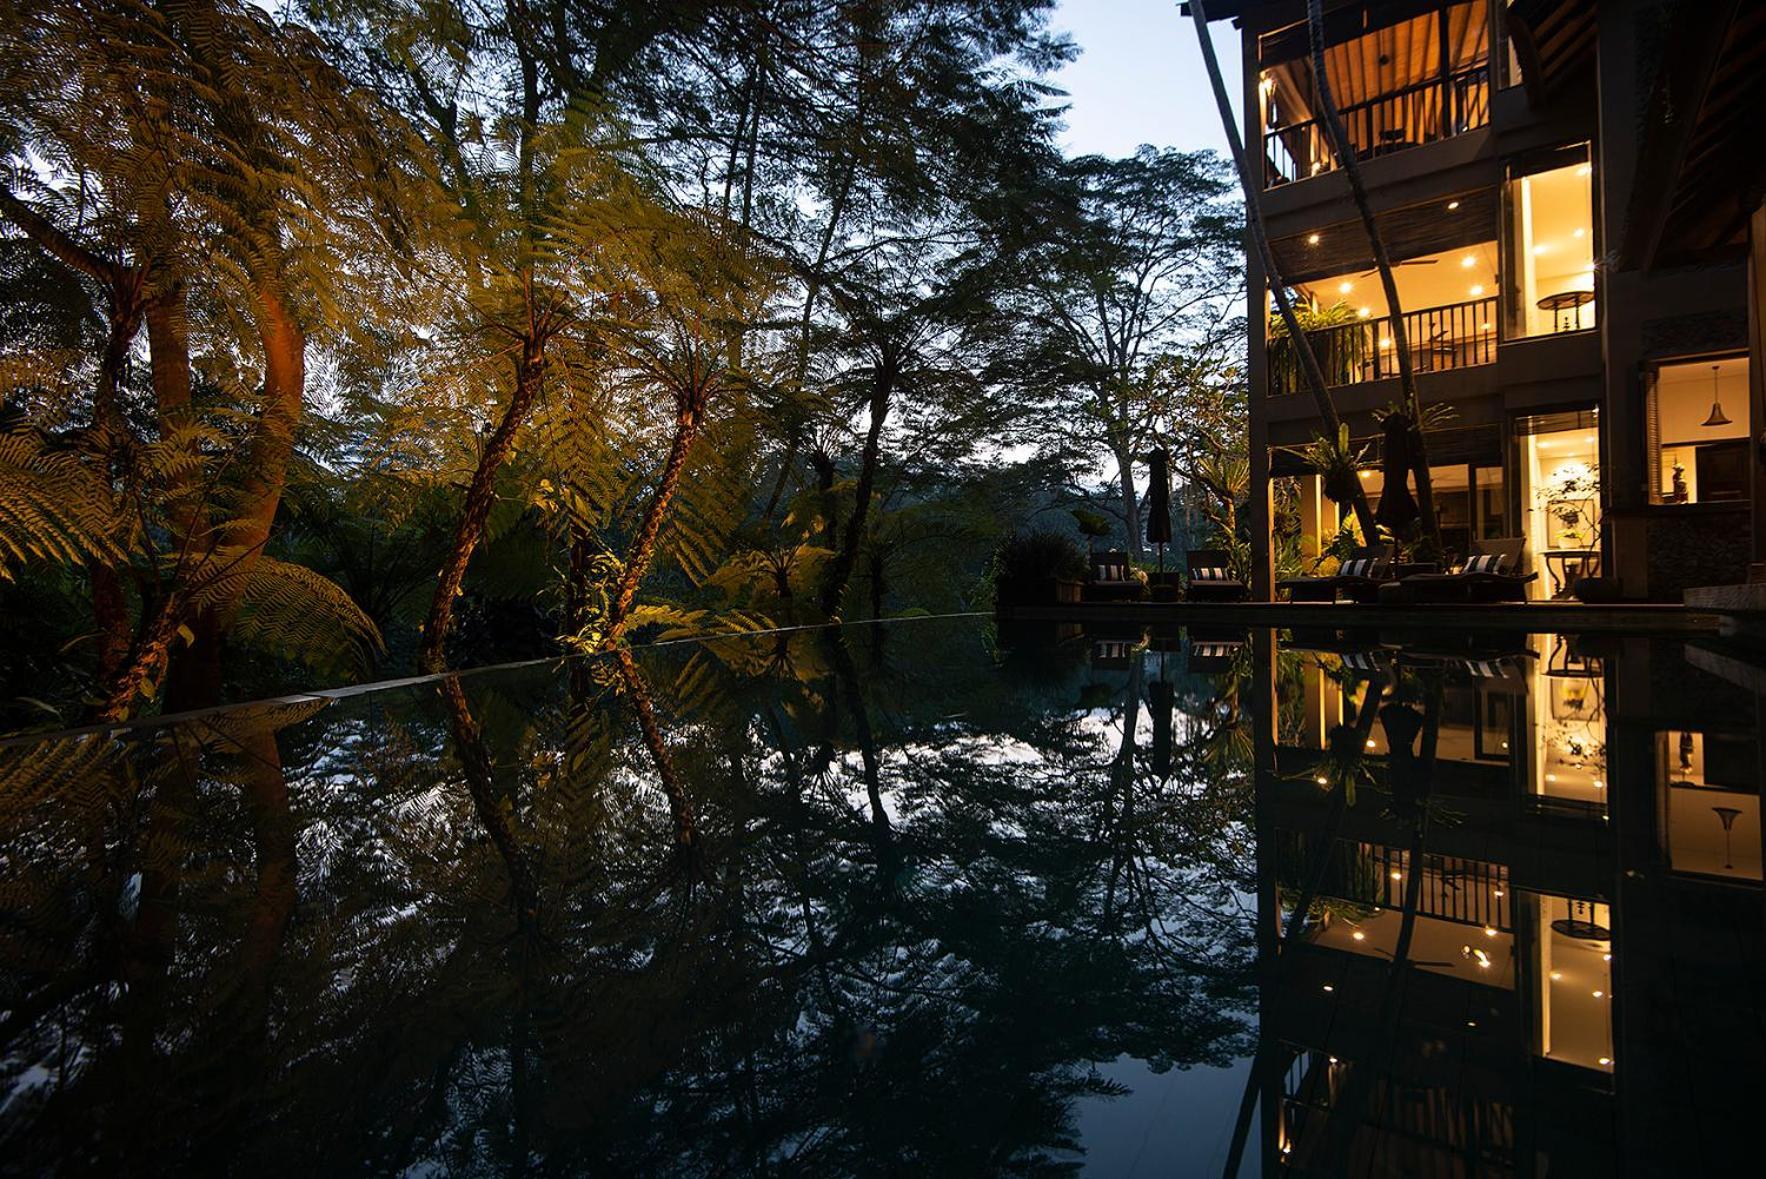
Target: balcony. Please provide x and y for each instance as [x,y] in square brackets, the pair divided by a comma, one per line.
[1458,335]
[1411,82]
[1422,113]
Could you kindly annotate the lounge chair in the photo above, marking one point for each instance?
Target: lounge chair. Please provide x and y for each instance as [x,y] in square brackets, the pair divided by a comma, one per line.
[1358,579]
[1491,574]
[1112,579]
[1211,577]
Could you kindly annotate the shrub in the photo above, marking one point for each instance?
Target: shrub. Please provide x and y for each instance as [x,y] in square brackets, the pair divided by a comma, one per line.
[1028,557]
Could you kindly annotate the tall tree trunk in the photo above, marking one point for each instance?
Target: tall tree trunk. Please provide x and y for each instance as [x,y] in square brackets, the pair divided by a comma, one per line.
[846,557]
[1131,508]
[530,372]
[1309,367]
[1346,160]
[689,415]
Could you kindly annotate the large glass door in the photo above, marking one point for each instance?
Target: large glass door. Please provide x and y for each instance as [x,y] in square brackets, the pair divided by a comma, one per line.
[1558,471]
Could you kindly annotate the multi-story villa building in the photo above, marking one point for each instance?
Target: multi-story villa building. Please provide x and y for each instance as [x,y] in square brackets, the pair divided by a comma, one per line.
[1571,193]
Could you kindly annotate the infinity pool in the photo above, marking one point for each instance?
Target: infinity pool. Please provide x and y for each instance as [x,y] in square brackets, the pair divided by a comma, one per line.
[910,899]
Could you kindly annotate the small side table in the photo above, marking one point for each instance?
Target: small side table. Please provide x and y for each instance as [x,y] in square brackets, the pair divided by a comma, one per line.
[1566,304]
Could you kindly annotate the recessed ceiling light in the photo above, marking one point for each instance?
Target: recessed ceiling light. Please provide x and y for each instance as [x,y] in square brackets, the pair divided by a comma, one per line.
[1344,287]
[1452,205]
[1605,1060]
[1579,232]
[1585,170]
[1312,239]
[1468,261]
[1540,249]
[1477,289]
[1365,312]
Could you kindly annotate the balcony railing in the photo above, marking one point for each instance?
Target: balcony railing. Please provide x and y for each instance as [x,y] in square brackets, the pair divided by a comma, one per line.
[1417,114]
[1459,335]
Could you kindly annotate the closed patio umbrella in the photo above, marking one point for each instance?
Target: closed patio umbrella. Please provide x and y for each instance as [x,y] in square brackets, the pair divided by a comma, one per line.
[1159,503]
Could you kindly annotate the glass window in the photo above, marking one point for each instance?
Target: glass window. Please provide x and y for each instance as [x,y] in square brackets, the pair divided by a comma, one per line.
[1697,431]
[1548,246]
[1492,521]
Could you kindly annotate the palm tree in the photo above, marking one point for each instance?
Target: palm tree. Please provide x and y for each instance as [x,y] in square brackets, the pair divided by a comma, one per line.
[1309,366]
[1345,153]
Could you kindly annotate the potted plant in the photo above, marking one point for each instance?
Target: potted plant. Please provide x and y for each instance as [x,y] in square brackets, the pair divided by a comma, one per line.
[1571,501]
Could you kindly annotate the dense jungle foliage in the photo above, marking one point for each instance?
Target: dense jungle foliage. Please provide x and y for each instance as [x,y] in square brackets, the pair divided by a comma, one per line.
[351,337]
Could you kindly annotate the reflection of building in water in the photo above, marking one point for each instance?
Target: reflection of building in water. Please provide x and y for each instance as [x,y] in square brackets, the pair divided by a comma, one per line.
[1564,872]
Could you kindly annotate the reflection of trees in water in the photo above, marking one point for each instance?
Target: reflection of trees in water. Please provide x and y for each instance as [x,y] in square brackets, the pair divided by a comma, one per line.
[457,930]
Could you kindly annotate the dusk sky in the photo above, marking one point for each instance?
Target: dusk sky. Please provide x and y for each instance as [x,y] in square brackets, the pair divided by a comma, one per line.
[1140,78]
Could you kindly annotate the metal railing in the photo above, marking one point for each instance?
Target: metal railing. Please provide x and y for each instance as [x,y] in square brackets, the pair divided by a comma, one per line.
[1417,114]
[1459,335]
[1471,892]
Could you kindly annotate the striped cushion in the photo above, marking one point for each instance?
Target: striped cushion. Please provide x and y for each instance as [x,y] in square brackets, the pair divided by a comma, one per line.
[1359,567]
[1112,572]
[1210,573]
[1484,563]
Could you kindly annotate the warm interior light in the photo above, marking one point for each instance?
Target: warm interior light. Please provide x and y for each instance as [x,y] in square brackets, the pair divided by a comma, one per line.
[1364,312]
[1579,232]
[1477,289]
[1370,743]
[1541,248]
[1468,261]
[1606,1060]
[1329,987]
[1484,327]
[1585,170]
[1556,974]
[1489,932]
[1397,875]
[1600,994]
[1366,475]
[1452,205]
[1359,936]
[1385,343]
[1321,781]
[1312,239]
[1499,892]
[1343,288]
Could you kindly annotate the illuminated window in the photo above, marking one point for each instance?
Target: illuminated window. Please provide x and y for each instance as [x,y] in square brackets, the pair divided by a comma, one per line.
[1697,431]
[1548,247]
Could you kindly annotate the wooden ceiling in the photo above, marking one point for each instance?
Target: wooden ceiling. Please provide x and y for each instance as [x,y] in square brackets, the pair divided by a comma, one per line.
[1552,39]
[1410,232]
[1705,129]
[1365,59]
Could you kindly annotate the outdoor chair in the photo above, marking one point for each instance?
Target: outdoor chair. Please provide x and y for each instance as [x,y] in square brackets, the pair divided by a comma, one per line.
[1211,577]
[1491,574]
[1112,579]
[1358,579]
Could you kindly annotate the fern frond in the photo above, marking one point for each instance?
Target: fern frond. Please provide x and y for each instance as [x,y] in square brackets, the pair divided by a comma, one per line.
[291,611]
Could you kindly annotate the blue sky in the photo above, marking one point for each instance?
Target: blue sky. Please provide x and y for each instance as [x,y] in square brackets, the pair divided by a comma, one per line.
[1139,78]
